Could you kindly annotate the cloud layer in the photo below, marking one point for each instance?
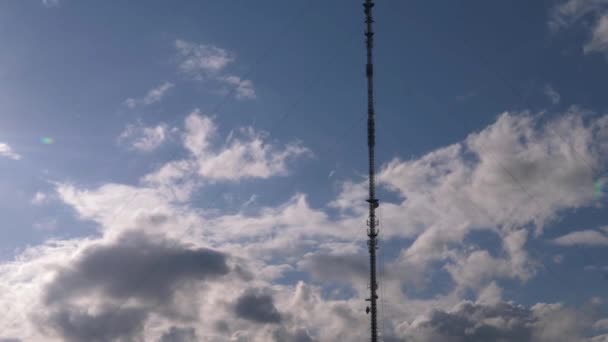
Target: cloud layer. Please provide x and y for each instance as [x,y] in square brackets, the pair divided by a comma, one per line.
[162,269]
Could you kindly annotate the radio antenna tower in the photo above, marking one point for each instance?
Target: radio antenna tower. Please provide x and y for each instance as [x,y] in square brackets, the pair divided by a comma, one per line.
[372,222]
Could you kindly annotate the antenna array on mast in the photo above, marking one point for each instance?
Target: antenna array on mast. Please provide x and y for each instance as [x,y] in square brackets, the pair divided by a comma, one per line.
[372,222]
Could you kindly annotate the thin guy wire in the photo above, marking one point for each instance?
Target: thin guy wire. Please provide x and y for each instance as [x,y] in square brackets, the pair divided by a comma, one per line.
[113,220]
[513,89]
[535,200]
[523,101]
[520,185]
[217,107]
[188,230]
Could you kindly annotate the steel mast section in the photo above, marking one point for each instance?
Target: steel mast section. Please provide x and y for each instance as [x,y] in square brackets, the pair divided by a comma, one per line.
[372,222]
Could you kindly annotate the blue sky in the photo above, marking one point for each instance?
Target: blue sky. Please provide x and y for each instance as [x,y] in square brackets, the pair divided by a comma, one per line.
[218,149]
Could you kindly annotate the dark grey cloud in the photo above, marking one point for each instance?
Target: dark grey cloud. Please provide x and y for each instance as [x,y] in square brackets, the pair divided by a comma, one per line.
[299,335]
[340,268]
[222,327]
[10,340]
[466,324]
[257,307]
[344,312]
[140,267]
[77,325]
[501,322]
[154,220]
[177,334]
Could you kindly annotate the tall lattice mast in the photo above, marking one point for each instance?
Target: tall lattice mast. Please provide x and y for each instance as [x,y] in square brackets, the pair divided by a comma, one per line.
[372,222]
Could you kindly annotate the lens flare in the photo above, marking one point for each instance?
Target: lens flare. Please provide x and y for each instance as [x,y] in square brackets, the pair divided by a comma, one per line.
[47,140]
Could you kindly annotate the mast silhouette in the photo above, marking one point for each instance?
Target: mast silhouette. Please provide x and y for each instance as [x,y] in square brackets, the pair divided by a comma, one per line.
[372,222]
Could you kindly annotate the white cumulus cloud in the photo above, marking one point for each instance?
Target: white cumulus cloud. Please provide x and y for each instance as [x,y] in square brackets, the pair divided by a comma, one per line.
[207,62]
[243,88]
[145,139]
[152,96]
[245,154]
[570,12]
[552,94]
[7,151]
[40,198]
[200,59]
[160,266]
[583,238]
[599,36]
[508,180]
